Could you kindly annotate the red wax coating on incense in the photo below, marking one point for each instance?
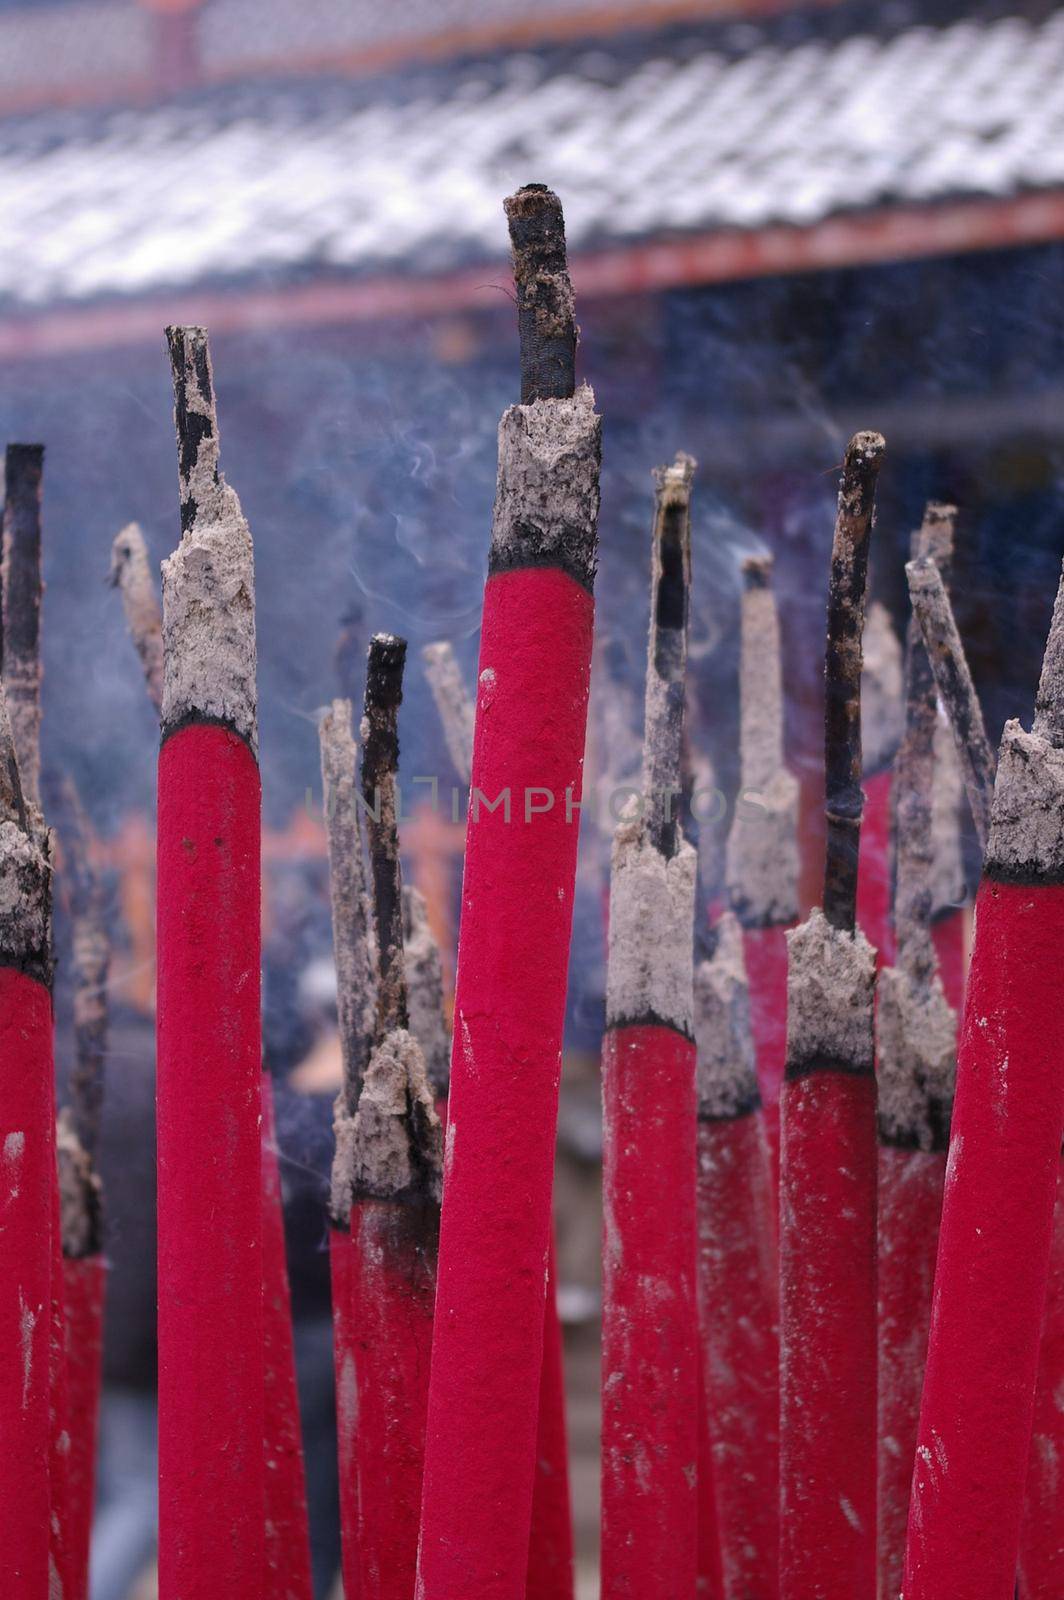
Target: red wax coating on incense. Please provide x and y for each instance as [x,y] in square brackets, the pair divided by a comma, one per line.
[288,1570]
[341,1264]
[391,1279]
[550,1547]
[650,1323]
[517,900]
[828,1329]
[1042,1539]
[910,1208]
[874,897]
[994,1253]
[765,955]
[211,1456]
[84,1293]
[59,1402]
[27,1161]
[710,1584]
[738,1292]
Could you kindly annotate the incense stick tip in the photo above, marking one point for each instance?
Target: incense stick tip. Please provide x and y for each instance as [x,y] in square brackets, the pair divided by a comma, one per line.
[830,986]
[546,316]
[726,1070]
[195,416]
[384,672]
[673,482]
[23,466]
[757,572]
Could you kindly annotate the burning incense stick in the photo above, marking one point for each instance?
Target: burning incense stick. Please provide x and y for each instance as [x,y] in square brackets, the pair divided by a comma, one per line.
[738,1281]
[762,859]
[386,1188]
[211,1458]
[27,1156]
[828,1145]
[954,683]
[424,980]
[550,1547]
[916,1032]
[649,1335]
[1001,1180]
[1041,1570]
[131,575]
[452,702]
[882,723]
[531,719]
[22,589]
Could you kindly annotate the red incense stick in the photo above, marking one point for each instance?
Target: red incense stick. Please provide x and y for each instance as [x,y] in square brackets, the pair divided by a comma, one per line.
[550,1547]
[738,1271]
[211,1467]
[1041,1571]
[386,1183]
[650,1331]
[517,903]
[762,855]
[27,1155]
[828,1143]
[916,1033]
[1001,1180]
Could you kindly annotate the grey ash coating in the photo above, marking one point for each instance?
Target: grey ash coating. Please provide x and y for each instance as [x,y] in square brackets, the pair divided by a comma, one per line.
[80,1198]
[20,623]
[882,708]
[131,575]
[915,1027]
[209,581]
[670,588]
[453,702]
[352,935]
[546,316]
[91,963]
[762,850]
[424,979]
[942,641]
[1026,842]
[842,704]
[726,1071]
[25,870]
[831,976]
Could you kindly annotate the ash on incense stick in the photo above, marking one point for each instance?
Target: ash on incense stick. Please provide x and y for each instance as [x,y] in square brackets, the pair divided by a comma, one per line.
[546,317]
[80,1194]
[882,697]
[424,980]
[391,1147]
[131,575]
[25,869]
[829,998]
[208,582]
[762,850]
[353,942]
[727,1077]
[453,703]
[949,880]
[22,590]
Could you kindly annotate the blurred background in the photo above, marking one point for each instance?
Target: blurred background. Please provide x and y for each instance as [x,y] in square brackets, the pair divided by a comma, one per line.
[785,222]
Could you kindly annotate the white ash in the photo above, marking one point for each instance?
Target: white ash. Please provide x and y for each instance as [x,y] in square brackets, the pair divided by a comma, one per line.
[424,981]
[353,944]
[394,1143]
[948,880]
[831,979]
[916,1055]
[882,690]
[650,973]
[762,854]
[547,489]
[25,894]
[131,574]
[209,597]
[79,1192]
[727,1077]
[453,702]
[1027,815]
[760,685]
[1049,702]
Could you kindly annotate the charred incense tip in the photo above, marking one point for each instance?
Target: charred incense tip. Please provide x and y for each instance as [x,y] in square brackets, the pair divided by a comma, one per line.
[761,866]
[195,415]
[546,316]
[392,1148]
[380,764]
[209,581]
[842,720]
[936,535]
[352,944]
[942,641]
[385,665]
[453,703]
[726,1071]
[670,586]
[22,589]
[131,575]
[25,870]
[12,799]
